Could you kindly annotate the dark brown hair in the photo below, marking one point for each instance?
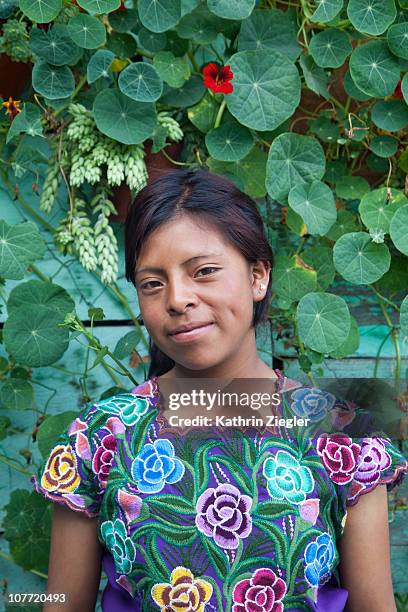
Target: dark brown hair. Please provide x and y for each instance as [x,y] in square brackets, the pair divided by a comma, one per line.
[203,195]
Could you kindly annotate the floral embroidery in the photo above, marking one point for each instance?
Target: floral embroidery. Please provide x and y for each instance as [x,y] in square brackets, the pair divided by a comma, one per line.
[313,403]
[103,458]
[117,541]
[372,460]
[155,466]
[263,592]
[287,478]
[223,514]
[184,592]
[129,407]
[319,556]
[192,523]
[339,455]
[60,473]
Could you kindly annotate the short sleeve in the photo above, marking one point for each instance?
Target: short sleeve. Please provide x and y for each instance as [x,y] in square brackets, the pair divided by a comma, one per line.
[377,461]
[76,470]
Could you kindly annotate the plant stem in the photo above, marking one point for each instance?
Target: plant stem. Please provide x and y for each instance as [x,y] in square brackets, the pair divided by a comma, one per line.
[377,360]
[395,339]
[220,113]
[37,271]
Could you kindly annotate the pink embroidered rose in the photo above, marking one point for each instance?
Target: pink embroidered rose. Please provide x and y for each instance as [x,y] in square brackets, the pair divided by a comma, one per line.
[339,456]
[263,592]
[372,460]
[103,458]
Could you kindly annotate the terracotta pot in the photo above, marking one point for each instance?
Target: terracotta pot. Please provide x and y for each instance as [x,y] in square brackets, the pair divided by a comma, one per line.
[156,164]
[13,77]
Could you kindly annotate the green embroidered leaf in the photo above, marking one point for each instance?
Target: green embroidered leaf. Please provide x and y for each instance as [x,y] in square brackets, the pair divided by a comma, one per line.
[154,557]
[272,510]
[276,535]
[240,477]
[217,556]
[140,432]
[173,503]
[201,466]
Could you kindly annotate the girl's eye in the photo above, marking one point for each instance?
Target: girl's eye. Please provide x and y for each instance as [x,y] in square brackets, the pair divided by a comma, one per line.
[207,268]
[145,285]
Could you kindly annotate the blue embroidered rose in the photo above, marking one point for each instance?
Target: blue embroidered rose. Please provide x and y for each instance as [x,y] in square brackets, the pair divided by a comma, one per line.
[121,546]
[312,403]
[155,466]
[128,407]
[318,558]
[287,478]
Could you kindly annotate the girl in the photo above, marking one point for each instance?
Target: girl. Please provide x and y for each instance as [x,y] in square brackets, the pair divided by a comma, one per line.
[236,520]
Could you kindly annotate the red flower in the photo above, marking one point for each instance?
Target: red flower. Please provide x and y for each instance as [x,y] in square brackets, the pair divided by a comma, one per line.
[398,91]
[218,80]
[12,107]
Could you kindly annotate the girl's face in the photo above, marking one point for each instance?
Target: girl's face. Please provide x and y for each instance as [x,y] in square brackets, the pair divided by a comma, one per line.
[187,273]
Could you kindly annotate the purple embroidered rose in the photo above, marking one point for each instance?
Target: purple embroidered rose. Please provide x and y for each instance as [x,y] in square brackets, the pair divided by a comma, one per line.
[263,592]
[223,514]
[372,460]
[103,458]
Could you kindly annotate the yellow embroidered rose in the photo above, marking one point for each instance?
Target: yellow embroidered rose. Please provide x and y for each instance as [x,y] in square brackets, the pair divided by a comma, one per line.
[184,594]
[60,473]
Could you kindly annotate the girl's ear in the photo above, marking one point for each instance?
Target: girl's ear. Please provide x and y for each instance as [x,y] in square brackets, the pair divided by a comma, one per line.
[260,272]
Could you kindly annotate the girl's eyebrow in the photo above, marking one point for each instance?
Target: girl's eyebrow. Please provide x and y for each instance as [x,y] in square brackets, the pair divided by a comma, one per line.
[159,270]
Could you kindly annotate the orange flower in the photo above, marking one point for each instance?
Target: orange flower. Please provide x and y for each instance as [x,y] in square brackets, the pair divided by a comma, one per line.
[60,473]
[12,107]
[184,592]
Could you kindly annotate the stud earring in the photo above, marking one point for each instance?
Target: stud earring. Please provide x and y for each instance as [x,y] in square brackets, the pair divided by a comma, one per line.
[261,287]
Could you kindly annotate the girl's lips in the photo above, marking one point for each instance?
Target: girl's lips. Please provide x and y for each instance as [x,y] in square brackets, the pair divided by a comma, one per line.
[192,334]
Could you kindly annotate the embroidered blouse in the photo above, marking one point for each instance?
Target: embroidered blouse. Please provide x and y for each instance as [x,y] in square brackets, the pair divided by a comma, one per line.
[248,522]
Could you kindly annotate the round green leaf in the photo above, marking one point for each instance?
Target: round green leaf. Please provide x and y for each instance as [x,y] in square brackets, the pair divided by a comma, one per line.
[390,115]
[159,15]
[55,46]
[399,229]
[376,211]
[250,170]
[397,38]
[53,82]
[99,7]
[326,10]
[173,70]
[323,321]
[127,343]
[295,222]
[42,293]
[292,278]
[351,343]
[16,394]
[352,187]
[20,244]
[229,142]
[315,77]
[371,16]
[140,82]
[231,10]
[335,171]
[189,94]
[87,31]
[346,223]
[203,114]
[51,428]
[384,146]
[271,29]
[123,119]
[122,45]
[28,121]
[374,69]
[314,202]
[404,87]
[266,89]
[99,64]
[124,21]
[150,41]
[359,260]
[352,90]
[330,48]
[293,159]
[324,128]
[7,8]
[41,11]
[200,26]
[320,258]
[404,316]
[32,336]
